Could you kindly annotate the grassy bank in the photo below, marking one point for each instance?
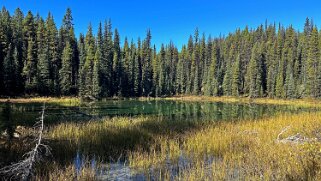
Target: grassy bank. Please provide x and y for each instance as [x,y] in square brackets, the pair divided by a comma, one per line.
[64,101]
[245,150]
[306,102]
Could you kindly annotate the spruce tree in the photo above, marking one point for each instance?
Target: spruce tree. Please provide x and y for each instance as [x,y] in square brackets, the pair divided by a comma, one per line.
[312,64]
[236,77]
[147,75]
[66,70]
[95,77]
[117,66]
[9,72]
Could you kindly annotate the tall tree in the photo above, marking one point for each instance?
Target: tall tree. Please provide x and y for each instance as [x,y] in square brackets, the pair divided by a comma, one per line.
[236,77]
[312,64]
[66,70]
[147,75]
[43,64]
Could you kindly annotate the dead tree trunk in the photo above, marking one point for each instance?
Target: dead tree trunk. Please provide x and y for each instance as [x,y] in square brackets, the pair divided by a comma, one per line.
[23,170]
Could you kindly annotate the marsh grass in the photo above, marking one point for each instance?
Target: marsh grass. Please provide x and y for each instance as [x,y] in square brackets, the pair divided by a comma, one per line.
[203,150]
[242,150]
[55,172]
[306,102]
[117,136]
[63,101]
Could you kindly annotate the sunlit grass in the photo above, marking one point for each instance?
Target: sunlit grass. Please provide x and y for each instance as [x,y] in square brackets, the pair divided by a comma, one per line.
[223,150]
[243,150]
[55,172]
[63,101]
[306,102]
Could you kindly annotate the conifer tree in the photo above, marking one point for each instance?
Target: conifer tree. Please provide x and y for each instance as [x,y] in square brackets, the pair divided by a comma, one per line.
[117,66]
[147,75]
[138,70]
[312,64]
[66,70]
[236,77]
[95,77]
[255,72]
[17,34]
[9,72]
[43,64]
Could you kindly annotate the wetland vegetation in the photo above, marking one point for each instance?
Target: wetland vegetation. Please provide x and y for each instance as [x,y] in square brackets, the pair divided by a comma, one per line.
[158,139]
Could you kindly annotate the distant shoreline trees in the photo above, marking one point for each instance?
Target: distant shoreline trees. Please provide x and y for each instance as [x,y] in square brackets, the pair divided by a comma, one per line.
[37,58]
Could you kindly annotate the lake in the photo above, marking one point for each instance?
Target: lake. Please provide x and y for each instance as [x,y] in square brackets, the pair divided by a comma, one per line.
[26,114]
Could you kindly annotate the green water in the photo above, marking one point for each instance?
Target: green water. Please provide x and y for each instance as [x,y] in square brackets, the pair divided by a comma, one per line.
[26,114]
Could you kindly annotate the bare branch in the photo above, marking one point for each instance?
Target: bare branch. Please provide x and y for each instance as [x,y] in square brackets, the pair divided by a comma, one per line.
[23,170]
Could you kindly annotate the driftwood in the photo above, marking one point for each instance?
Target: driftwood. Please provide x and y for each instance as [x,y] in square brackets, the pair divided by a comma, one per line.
[294,139]
[23,170]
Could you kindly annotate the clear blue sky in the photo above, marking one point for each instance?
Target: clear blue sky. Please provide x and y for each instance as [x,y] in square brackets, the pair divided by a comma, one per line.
[174,19]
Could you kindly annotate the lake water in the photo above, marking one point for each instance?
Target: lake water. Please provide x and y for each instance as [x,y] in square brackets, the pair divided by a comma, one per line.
[26,114]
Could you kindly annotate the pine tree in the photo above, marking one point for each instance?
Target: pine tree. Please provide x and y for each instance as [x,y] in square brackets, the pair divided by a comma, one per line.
[147,75]
[138,71]
[87,72]
[236,77]
[279,87]
[117,66]
[190,66]
[54,62]
[30,67]
[107,61]
[9,72]
[255,72]
[271,74]
[162,72]
[227,82]
[289,82]
[131,67]
[82,60]
[312,64]
[125,70]
[43,64]
[95,77]
[17,34]
[196,65]
[66,70]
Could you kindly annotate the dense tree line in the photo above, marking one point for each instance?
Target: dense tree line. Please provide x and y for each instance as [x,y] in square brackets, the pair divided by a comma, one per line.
[37,58]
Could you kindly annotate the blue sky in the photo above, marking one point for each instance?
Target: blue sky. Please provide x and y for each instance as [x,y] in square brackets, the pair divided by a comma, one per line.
[174,19]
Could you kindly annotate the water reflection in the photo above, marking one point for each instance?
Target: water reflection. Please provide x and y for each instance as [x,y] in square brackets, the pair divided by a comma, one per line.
[7,127]
[26,114]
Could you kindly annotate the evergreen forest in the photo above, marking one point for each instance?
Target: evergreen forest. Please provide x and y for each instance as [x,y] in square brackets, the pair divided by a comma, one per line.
[37,58]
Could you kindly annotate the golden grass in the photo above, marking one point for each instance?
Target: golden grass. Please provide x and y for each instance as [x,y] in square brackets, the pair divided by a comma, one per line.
[55,172]
[306,102]
[241,150]
[107,137]
[245,150]
[64,101]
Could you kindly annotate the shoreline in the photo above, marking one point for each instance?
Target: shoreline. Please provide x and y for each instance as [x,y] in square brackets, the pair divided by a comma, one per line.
[305,102]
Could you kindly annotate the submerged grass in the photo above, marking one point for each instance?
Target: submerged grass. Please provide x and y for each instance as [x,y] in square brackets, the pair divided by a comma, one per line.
[183,150]
[244,150]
